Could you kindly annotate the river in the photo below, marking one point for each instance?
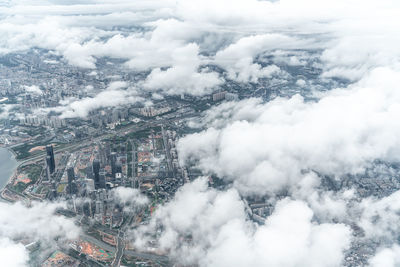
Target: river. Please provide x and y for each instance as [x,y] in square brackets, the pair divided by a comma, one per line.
[7,166]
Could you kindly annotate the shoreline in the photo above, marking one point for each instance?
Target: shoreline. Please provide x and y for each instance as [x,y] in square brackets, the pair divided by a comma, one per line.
[12,152]
[6,195]
[14,171]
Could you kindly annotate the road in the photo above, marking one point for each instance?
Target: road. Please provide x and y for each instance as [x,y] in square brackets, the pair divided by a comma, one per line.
[87,141]
[97,242]
[142,255]
[167,150]
[123,131]
[120,249]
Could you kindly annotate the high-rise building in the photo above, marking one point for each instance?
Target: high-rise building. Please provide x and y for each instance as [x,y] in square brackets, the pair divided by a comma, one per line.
[96,172]
[89,172]
[102,179]
[99,207]
[71,178]
[49,167]
[113,164]
[218,96]
[118,167]
[48,174]
[50,158]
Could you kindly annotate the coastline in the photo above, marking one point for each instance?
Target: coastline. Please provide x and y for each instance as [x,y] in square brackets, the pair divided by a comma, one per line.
[14,170]
[7,193]
[12,152]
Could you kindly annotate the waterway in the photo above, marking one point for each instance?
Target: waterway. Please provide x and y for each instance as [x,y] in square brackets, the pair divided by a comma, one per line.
[7,166]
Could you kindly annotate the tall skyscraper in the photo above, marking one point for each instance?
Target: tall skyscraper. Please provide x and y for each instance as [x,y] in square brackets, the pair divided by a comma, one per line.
[89,172]
[50,158]
[48,174]
[49,168]
[113,164]
[118,167]
[96,173]
[71,178]
[102,181]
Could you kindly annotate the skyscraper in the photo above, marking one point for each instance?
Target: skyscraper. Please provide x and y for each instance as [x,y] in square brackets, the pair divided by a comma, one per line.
[96,172]
[102,181]
[71,178]
[49,168]
[48,174]
[113,164]
[50,158]
[118,167]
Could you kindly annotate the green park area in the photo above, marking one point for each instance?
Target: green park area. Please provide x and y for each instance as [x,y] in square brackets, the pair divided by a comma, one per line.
[32,172]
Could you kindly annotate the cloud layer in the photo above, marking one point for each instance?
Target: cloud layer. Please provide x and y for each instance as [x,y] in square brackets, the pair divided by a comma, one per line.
[281,152]
[31,224]
[181,36]
[268,146]
[211,228]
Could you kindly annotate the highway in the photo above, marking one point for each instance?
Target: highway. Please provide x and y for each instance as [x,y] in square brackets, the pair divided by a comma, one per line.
[88,141]
[123,131]
[120,249]
[97,242]
[142,255]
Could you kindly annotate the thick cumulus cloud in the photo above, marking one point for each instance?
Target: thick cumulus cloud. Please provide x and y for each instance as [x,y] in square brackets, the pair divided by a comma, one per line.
[211,228]
[286,146]
[127,195]
[116,94]
[37,222]
[238,58]
[129,198]
[150,35]
[183,77]
[13,254]
[386,257]
[379,217]
[4,110]
[266,147]
[277,148]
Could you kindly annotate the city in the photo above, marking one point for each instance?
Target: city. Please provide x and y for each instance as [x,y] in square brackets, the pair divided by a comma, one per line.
[199,133]
[84,161]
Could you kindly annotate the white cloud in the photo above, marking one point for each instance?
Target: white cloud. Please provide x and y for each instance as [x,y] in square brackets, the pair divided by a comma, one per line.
[379,217]
[222,235]
[352,43]
[264,147]
[5,109]
[12,254]
[261,148]
[301,82]
[38,222]
[386,257]
[127,195]
[238,58]
[183,76]
[113,95]
[33,89]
